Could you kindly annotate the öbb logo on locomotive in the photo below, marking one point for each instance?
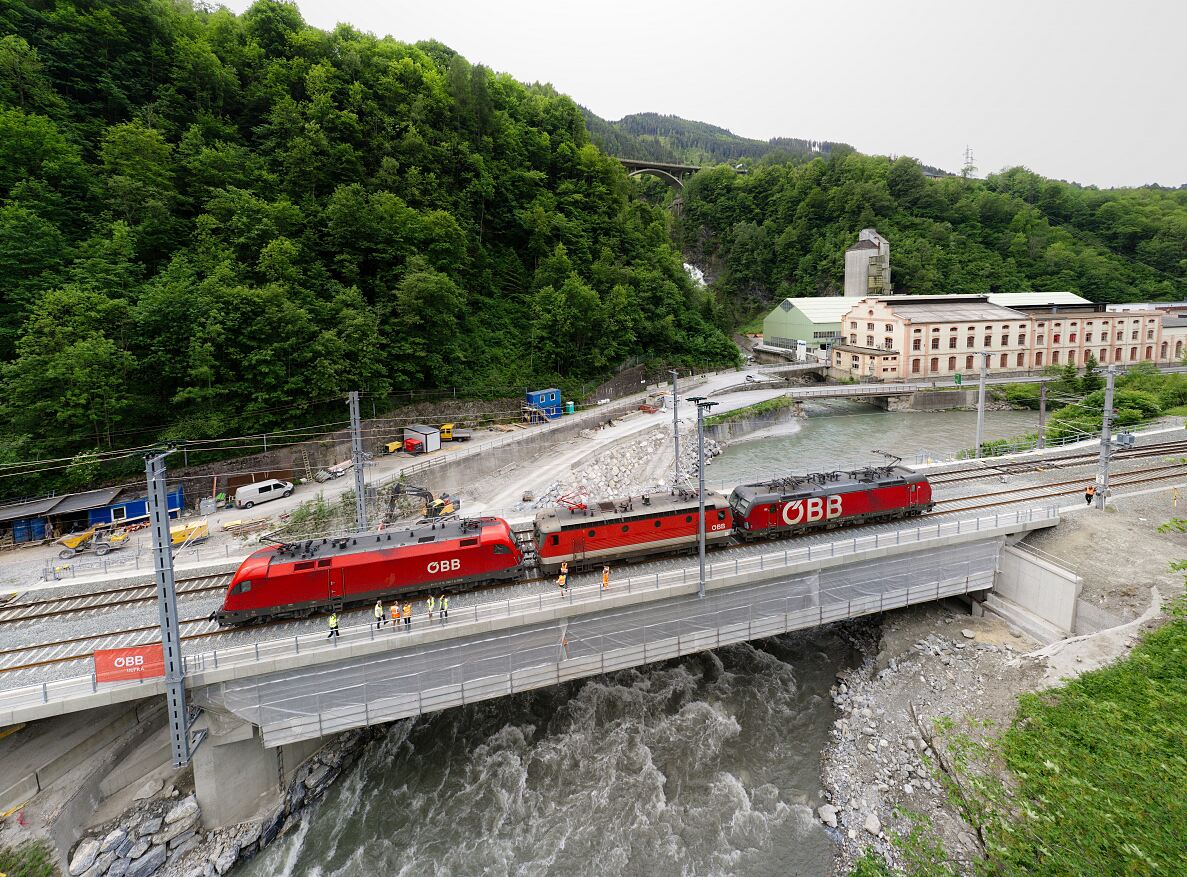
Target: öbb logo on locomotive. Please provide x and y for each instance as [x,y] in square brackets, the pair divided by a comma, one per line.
[299,578]
[813,509]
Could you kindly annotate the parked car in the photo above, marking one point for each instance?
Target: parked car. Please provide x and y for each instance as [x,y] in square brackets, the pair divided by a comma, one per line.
[261,491]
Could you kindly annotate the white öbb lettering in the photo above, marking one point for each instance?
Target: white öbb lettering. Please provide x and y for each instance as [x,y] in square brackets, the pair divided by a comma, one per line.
[447,565]
[811,510]
[130,661]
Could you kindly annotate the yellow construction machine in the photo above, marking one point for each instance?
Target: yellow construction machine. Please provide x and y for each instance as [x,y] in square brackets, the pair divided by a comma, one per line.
[99,538]
[434,507]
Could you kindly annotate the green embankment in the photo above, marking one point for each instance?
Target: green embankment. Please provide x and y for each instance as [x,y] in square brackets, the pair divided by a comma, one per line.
[31,859]
[755,410]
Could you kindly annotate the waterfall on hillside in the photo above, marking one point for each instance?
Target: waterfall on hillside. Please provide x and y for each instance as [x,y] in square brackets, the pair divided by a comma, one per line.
[695,273]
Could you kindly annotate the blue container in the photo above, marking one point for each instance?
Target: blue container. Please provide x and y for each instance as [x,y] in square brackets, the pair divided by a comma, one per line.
[37,529]
[547,401]
[20,531]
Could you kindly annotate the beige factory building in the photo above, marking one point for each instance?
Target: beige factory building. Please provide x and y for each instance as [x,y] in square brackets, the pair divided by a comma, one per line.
[892,338]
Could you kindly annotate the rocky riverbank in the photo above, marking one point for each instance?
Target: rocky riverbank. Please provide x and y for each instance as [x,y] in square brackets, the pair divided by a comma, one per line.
[162,834]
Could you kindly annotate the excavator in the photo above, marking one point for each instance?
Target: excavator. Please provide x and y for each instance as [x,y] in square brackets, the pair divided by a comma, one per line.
[434,507]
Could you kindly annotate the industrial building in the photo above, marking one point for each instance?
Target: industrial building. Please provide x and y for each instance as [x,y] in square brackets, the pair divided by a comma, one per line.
[867,266]
[938,336]
[52,516]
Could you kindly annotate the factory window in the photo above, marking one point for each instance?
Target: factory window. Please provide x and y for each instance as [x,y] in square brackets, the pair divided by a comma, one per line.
[889,327]
[1088,337]
[1135,322]
[1071,338]
[888,344]
[1149,334]
[1021,338]
[852,339]
[1133,336]
[1071,357]
[1165,346]
[1149,353]
[951,363]
[952,343]
[1038,359]
[952,328]
[917,331]
[935,329]
[1104,355]
[1005,341]
[1041,324]
[968,362]
[1055,357]
[1117,354]
[1133,354]
[1055,338]
[935,344]
[856,362]
[917,344]
[869,327]
[1057,325]
[853,325]
[935,364]
[869,341]
[970,341]
[914,366]
[988,340]
[1040,340]
[1021,360]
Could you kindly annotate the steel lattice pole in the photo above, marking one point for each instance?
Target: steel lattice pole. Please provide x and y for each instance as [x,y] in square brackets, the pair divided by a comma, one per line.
[356,456]
[158,515]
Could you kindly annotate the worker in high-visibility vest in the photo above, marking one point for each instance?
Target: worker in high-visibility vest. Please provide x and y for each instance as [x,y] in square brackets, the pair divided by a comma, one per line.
[431,603]
[408,614]
[1089,493]
[395,615]
[333,625]
[380,620]
[444,606]
[605,576]
[562,581]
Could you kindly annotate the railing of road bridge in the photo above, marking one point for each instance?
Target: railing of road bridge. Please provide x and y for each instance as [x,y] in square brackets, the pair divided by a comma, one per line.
[582,596]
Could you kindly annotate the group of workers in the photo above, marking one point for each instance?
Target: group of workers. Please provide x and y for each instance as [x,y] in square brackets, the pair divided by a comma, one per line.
[440,605]
[562,580]
[399,612]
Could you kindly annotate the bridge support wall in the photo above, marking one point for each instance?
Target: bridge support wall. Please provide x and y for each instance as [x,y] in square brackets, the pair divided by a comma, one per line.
[1045,592]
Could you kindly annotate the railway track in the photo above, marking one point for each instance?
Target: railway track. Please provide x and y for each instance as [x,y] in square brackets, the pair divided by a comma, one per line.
[97,601]
[1021,467]
[80,648]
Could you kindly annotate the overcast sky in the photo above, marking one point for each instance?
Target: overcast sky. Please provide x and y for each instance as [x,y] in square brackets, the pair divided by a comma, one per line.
[1090,91]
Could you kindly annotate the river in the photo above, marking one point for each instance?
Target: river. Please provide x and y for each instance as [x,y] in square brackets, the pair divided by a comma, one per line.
[707,765]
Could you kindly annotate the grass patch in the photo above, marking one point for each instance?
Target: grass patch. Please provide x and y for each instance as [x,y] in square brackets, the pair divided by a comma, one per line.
[753,327]
[30,859]
[1101,765]
[755,410]
[1177,411]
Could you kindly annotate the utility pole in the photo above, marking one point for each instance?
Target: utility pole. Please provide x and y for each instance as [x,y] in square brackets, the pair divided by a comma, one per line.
[162,551]
[981,403]
[703,405]
[675,424]
[1106,448]
[356,456]
[1042,442]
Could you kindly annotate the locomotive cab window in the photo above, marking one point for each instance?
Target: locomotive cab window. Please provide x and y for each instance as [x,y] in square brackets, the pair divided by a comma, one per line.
[502,549]
[556,540]
[241,588]
[721,515]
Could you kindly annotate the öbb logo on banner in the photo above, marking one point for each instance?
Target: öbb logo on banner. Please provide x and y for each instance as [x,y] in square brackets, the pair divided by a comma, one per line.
[447,565]
[141,662]
[808,511]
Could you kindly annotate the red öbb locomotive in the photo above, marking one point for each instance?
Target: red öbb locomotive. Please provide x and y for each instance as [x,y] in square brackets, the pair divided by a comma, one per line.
[304,577]
[825,500]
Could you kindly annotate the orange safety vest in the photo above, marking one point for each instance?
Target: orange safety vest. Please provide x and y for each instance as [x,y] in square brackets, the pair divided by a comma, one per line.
[395,611]
[1090,490]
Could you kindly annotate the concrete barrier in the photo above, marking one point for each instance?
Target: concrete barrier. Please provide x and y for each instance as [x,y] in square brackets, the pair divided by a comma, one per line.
[1039,586]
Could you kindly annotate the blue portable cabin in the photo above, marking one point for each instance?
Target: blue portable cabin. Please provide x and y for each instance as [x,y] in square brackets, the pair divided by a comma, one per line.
[26,521]
[546,401]
[133,508]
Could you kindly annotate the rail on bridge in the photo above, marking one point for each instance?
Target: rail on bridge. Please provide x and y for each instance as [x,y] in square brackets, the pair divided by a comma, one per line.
[674,175]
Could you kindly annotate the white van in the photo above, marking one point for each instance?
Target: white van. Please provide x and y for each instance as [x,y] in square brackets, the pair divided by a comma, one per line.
[262,491]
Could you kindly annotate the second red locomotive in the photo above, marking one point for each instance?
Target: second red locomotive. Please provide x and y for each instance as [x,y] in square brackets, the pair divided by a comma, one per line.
[825,500]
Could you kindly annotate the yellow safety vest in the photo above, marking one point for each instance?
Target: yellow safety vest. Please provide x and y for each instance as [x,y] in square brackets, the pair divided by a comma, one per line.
[444,602]
[431,604]
[378,610]
[334,620]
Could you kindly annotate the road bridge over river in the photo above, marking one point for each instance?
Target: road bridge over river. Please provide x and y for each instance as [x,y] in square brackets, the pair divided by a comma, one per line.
[286,693]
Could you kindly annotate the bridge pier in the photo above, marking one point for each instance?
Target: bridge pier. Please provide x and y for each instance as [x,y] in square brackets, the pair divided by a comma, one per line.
[235,776]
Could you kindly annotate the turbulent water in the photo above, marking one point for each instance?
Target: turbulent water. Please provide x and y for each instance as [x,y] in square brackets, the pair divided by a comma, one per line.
[842,435]
[708,765]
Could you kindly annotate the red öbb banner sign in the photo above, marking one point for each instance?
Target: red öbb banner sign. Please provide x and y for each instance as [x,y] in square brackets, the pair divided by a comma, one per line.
[142,662]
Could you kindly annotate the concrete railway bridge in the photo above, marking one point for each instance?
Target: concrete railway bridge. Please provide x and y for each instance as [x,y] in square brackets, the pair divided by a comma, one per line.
[266,705]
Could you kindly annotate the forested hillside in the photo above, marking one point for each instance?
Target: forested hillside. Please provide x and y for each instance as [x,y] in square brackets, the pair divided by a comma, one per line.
[208,219]
[681,141]
[782,231]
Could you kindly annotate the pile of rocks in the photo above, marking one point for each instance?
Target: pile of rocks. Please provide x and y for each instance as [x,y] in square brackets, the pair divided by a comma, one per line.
[624,469]
[142,840]
[164,837]
[881,757]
